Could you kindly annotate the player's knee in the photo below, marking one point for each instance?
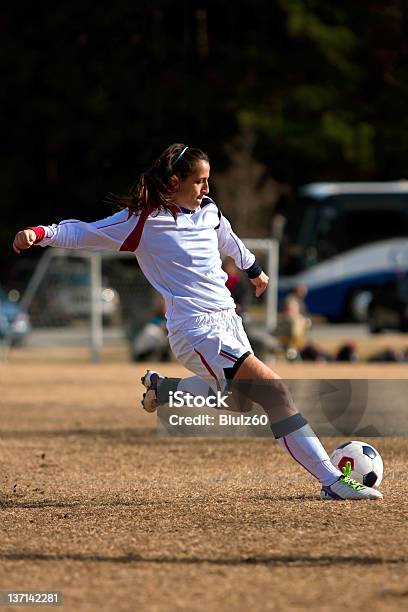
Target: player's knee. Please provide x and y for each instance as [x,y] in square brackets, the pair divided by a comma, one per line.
[273,395]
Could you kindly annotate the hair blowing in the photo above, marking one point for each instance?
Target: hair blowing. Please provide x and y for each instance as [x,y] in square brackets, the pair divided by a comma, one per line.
[156,187]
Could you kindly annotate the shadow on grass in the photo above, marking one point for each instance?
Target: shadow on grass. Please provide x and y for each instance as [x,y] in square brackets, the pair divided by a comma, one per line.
[133,503]
[278,498]
[271,560]
[38,504]
[137,435]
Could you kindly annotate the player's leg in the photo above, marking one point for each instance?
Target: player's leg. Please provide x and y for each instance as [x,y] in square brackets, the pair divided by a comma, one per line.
[196,349]
[288,425]
[293,432]
[222,352]
[183,346]
[152,380]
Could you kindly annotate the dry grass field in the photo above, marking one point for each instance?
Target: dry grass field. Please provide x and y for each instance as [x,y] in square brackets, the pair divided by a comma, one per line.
[94,504]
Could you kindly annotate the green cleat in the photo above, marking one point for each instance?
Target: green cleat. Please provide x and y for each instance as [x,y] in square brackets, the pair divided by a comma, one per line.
[348,488]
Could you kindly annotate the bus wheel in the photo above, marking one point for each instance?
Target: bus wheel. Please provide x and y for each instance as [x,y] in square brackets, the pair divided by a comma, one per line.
[358,304]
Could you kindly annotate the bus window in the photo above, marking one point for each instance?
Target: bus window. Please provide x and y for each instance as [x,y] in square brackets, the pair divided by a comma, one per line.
[363,227]
[339,223]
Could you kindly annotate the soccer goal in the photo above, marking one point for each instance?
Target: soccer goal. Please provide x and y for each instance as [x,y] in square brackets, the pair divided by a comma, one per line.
[90,297]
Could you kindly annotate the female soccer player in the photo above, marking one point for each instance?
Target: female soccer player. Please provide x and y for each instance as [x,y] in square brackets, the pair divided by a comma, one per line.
[177,233]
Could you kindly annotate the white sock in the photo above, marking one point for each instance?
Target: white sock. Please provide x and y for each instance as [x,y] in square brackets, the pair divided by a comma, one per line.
[194,385]
[307,450]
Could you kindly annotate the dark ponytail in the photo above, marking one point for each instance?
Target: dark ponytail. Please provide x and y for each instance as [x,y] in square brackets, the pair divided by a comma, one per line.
[156,187]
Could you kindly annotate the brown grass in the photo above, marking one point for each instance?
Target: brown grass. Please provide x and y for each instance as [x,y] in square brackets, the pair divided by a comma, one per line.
[94,504]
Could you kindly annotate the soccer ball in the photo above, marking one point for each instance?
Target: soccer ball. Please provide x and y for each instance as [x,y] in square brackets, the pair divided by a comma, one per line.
[366,463]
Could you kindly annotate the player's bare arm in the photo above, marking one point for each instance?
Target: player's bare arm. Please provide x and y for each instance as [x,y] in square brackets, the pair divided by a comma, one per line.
[24,240]
[260,283]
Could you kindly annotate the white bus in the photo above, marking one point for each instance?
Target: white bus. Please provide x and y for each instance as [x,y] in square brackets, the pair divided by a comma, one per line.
[353,237]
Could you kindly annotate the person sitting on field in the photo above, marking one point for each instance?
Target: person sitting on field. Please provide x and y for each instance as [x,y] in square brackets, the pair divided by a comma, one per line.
[293,322]
[178,234]
[151,342]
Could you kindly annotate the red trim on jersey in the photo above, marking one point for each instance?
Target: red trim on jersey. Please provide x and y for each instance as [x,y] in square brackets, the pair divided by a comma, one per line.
[39,233]
[110,224]
[174,208]
[227,356]
[207,367]
[132,241]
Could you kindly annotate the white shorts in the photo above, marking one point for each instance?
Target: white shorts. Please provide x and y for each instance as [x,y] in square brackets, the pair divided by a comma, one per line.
[213,346]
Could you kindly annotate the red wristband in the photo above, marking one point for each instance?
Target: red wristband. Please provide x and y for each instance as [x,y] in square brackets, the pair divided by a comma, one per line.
[39,233]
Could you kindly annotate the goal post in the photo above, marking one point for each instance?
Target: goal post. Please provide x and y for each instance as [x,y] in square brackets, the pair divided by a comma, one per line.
[270,247]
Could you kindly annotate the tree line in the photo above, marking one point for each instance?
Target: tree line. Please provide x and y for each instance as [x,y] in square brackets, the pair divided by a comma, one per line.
[278,92]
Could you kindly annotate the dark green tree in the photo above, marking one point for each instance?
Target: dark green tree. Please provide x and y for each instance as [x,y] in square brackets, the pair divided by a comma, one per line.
[91,92]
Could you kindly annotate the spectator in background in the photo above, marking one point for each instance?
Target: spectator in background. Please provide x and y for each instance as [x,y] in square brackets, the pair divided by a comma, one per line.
[297,296]
[293,322]
[151,342]
[348,352]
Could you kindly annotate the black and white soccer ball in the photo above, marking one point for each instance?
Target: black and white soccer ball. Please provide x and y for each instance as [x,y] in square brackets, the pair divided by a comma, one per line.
[366,464]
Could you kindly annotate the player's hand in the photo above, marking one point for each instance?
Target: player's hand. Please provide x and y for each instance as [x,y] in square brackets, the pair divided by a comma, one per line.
[261,283]
[24,240]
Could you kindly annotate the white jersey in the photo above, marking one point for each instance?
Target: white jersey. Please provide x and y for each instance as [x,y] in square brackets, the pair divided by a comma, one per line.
[180,259]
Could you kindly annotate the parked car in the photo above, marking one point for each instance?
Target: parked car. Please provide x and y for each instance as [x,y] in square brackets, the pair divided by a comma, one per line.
[68,295]
[388,308]
[14,322]
[63,294]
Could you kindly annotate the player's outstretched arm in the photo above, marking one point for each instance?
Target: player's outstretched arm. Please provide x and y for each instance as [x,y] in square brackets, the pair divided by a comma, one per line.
[108,234]
[24,240]
[260,283]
